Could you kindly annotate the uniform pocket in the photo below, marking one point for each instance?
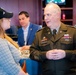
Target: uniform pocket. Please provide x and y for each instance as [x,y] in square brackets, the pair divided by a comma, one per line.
[67,44]
[45,46]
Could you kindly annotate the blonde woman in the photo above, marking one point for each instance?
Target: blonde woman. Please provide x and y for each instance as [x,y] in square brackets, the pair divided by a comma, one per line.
[9,55]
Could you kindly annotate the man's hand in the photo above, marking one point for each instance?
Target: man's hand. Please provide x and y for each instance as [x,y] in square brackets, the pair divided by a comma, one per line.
[25,47]
[55,54]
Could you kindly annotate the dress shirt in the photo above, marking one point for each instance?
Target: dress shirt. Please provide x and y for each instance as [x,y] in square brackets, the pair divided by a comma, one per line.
[25,32]
[57,29]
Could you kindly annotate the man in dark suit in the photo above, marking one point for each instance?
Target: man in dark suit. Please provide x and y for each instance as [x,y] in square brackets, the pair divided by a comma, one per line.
[55,45]
[26,36]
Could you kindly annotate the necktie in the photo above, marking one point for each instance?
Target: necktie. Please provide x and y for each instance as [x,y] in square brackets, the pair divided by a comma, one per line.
[54,32]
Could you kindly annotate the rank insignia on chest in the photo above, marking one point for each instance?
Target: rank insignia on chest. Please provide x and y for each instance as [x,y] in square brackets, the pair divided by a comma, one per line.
[66,37]
[44,40]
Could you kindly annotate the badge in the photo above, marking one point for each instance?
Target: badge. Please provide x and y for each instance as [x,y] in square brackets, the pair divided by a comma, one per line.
[48,32]
[44,40]
[30,28]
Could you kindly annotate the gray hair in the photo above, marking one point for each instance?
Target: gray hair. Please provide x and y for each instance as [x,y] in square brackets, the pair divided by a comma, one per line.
[55,6]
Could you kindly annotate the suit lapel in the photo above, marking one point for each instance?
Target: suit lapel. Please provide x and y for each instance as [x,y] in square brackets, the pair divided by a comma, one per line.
[22,36]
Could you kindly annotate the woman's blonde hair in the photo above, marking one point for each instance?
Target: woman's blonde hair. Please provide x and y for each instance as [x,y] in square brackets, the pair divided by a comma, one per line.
[11,41]
[1,29]
[2,33]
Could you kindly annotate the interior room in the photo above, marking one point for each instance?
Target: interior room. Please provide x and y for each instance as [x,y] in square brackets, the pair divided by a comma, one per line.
[35,9]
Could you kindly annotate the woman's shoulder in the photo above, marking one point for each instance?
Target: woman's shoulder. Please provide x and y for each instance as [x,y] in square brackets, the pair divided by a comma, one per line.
[3,41]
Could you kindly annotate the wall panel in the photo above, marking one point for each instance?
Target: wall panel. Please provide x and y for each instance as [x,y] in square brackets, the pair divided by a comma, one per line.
[31,6]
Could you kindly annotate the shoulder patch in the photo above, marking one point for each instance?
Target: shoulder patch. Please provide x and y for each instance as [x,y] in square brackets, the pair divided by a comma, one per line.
[40,29]
[74,26]
[71,26]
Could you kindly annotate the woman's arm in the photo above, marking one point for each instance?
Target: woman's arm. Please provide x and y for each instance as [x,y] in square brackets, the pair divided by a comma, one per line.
[7,61]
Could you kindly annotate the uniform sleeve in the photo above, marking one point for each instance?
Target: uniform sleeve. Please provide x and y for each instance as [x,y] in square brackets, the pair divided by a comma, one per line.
[7,61]
[39,27]
[35,52]
[71,54]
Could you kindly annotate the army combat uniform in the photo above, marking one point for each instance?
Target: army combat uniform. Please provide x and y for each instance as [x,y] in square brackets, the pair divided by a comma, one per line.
[65,39]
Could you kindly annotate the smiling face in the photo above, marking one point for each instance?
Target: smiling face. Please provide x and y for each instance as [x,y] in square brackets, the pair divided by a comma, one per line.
[52,14]
[23,20]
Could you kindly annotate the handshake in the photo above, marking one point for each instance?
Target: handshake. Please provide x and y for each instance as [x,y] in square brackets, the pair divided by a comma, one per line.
[55,54]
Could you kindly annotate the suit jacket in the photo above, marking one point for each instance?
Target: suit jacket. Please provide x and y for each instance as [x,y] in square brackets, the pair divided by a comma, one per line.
[65,40]
[31,34]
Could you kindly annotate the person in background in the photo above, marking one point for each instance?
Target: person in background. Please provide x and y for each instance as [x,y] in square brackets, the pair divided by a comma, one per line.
[27,31]
[26,36]
[9,54]
[55,45]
